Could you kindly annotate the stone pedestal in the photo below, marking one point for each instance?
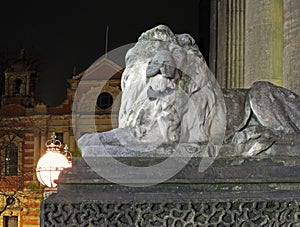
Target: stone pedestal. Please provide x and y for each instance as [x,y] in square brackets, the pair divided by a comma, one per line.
[248,193]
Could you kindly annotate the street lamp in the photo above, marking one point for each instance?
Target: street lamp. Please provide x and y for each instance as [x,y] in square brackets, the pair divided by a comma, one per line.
[52,162]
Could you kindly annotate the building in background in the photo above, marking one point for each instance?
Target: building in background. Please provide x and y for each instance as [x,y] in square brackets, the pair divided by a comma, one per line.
[26,125]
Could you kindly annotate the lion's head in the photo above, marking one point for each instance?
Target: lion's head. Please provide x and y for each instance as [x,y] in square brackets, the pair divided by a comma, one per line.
[168,90]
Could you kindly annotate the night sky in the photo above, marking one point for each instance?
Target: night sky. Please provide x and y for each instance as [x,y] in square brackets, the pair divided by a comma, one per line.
[62,34]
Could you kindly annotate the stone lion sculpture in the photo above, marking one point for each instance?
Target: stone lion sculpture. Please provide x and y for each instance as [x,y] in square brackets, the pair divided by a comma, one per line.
[169,93]
[169,96]
[261,116]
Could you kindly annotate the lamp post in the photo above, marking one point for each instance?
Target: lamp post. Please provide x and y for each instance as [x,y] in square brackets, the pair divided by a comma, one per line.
[52,162]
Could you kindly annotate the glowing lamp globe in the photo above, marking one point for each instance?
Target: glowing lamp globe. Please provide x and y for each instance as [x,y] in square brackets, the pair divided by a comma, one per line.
[49,167]
[52,163]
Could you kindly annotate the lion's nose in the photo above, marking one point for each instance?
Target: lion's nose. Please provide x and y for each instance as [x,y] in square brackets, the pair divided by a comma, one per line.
[168,70]
[153,68]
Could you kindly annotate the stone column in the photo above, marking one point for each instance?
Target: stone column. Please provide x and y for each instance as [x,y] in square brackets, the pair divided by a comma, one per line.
[72,148]
[7,82]
[37,146]
[213,36]
[43,139]
[36,149]
[28,83]
[263,41]
[291,52]
[218,37]
[236,28]
[66,137]
[227,42]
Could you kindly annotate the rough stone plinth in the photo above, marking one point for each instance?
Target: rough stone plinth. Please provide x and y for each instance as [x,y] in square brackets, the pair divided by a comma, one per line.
[252,193]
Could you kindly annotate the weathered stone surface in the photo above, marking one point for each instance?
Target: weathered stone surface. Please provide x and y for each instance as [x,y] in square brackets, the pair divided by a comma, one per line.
[168,90]
[257,119]
[169,94]
[263,25]
[254,193]
[291,45]
[171,104]
[170,99]
[227,42]
[198,213]
[261,117]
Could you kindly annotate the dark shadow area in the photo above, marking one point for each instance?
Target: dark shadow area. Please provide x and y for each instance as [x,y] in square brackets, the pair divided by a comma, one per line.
[204,28]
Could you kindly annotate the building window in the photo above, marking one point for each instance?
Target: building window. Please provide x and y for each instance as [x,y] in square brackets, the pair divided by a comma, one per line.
[10,221]
[11,160]
[18,87]
[60,136]
[105,100]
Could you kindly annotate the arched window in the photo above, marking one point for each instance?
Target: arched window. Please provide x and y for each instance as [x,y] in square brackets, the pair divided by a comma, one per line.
[11,160]
[18,86]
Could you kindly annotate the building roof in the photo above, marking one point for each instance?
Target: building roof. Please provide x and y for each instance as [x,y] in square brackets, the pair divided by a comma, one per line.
[103,69]
[21,64]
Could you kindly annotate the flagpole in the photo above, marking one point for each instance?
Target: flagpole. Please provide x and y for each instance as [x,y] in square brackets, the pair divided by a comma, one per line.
[106,41]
